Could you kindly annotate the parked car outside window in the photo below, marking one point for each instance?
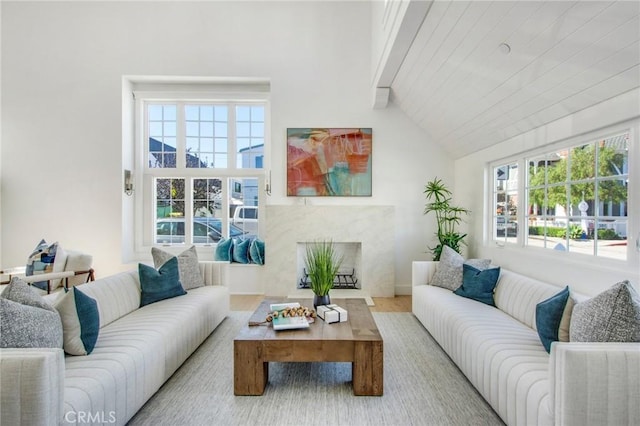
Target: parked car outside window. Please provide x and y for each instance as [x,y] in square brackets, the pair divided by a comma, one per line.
[206,230]
[246,218]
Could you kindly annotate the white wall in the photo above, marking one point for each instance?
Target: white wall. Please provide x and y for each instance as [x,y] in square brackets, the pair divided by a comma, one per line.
[1,263]
[62,100]
[582,273]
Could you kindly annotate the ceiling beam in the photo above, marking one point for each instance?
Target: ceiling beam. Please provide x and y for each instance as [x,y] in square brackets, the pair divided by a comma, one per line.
[396,29]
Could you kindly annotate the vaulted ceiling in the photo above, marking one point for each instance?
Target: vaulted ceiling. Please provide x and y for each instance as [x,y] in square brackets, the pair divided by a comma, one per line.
[477,72]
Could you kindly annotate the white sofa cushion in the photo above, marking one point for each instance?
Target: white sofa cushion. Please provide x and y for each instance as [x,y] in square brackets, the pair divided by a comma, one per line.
[518,296]
[117,295]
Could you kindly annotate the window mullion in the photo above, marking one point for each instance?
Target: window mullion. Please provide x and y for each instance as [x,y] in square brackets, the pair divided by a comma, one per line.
[188,210]
[232,135]
[181,145]
[224,183]
[522,202]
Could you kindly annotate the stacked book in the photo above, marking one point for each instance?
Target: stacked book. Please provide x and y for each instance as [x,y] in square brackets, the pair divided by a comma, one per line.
[287,323]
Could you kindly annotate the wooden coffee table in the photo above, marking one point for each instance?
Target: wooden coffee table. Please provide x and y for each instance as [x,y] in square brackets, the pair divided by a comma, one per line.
[357,341]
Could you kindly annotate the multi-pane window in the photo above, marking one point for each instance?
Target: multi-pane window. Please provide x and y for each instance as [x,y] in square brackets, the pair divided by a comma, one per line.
[202,160]
[577,198]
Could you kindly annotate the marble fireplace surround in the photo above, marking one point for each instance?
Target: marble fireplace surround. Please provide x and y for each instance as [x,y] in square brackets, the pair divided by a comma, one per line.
[371,226]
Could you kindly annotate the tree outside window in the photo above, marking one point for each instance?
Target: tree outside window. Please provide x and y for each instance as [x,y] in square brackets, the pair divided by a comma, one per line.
[577,198]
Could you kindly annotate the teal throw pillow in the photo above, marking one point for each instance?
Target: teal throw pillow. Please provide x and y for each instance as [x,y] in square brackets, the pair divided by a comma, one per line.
[478,284]
[241,250]
[160,284]
[548,317]
[80,322]
[256,251]
[224,250]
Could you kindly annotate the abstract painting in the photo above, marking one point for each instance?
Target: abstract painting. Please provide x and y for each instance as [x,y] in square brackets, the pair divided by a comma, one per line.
[329,162]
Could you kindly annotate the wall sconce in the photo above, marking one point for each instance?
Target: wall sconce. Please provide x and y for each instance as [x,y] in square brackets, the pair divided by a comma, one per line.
[128,182]
[267,183]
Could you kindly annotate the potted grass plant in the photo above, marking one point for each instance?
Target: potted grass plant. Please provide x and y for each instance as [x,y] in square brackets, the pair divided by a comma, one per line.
[322,264]
[448,216]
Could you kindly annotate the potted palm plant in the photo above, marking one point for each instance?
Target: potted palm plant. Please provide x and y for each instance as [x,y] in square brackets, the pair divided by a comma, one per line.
[448,216]
[322,265]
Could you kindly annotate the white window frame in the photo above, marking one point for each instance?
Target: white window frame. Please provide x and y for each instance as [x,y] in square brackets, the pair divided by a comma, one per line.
[144,199]
[633,200]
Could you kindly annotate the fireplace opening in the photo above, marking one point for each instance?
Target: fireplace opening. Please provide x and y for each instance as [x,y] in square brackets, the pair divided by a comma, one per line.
[346,277]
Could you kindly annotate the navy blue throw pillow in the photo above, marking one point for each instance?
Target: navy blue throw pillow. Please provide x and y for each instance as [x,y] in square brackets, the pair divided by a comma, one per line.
[161,284]
[548,317]
[478,284]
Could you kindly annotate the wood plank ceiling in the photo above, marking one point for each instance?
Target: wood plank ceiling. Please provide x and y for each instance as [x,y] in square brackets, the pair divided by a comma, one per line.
[459,85]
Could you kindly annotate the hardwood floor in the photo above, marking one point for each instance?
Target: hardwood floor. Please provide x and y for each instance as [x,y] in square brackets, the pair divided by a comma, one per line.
[391,304]
[245,302]
[382,304]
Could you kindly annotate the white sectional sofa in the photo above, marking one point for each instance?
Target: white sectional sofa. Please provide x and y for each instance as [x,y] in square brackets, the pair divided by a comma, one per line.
[499,351]
[137,350]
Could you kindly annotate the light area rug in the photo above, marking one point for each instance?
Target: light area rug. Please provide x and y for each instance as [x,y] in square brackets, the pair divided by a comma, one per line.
[422,386]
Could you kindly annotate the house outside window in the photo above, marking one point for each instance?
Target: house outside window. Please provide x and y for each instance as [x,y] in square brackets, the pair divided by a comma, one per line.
[200,165]
[572,198]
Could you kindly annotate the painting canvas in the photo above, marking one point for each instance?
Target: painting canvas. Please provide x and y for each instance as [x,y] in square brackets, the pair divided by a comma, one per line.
[329,162]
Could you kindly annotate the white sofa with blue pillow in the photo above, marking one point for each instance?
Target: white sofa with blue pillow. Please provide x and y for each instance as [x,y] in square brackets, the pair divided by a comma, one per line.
[499,350]
[137,350]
